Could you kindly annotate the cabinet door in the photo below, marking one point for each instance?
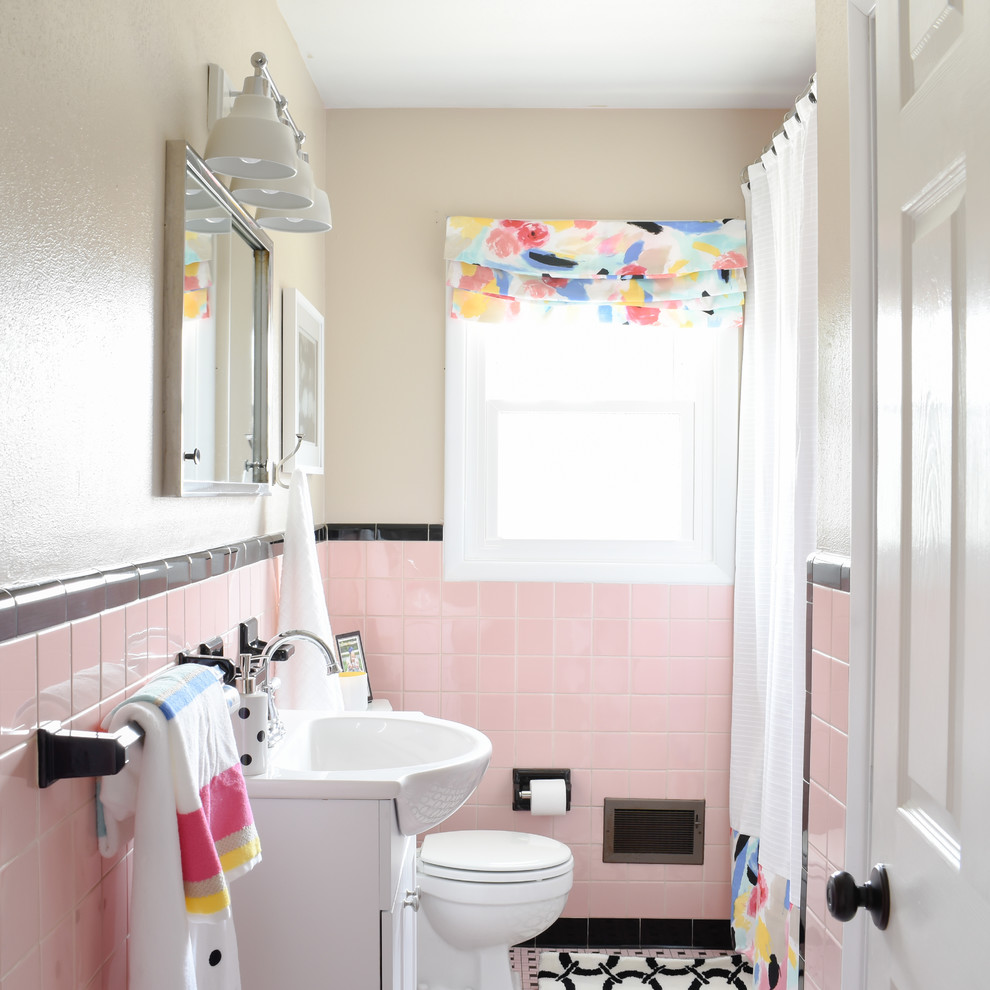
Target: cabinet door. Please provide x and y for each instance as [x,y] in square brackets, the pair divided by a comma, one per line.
[398,940]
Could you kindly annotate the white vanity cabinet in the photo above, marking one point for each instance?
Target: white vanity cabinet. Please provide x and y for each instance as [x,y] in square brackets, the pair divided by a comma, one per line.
[332,903]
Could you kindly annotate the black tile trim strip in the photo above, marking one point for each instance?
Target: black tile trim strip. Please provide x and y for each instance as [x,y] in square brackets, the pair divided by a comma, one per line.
[635,933]
[32,608]
[829,570]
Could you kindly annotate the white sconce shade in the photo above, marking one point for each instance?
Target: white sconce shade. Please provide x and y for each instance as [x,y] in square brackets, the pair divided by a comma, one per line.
[251,142]
[313,220]
[294,193]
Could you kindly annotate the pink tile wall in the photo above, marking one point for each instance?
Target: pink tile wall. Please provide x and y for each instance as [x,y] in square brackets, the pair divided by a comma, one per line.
[63,908]
[627,685]
[827,798]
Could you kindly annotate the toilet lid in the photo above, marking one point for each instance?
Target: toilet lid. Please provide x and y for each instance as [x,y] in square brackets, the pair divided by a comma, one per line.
[490,851]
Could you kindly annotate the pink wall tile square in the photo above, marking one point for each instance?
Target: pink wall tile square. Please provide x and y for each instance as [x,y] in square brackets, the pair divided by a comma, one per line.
[645,899]
[648,676]
[572,674]
[383,596]
[383,559]
[348,558]
[497,635]
[717,751]
[534,712]
[88,931]
[535,636]
[718,713]
[421,597]
[112,636]
[610,675]
[574,827]
[832,972]
[686,751]
[534,749]
[821,686]
[687,713]
[647,750]
[383,634]
[22,661]
[572,749]
[465,818]
[840,625]
[610,751]
[503,747]
[612,601]
[686,785]
[496,711]
[649,638]
[836,840]
[496,674]
[819,756]
[87,861]
[715,896]
[688,637]
[193,595]
[572,601]
[385,672]
[610,637]
[346,596]
[534,675]
[688,675]
[720,601]
[818,818]
[175,612]
[720,637]
[650,601]
[84,638]
[647,713]
[718,675]
[821,625]
[421,672]
[461,708]
[18,802]
[572,637]
[534,600]
[26,975]
[609,900]
[136,641]
[572,712]
[459,672]
[459,634]
[839,695]
[577,905]
[717,788]
[838,744]
[497,598]
[688,601]
[427,702]
[610,713]
[19,907]
[459,597]
[421,635]
[56,896]
[495,788]
[683,900]
[422,559]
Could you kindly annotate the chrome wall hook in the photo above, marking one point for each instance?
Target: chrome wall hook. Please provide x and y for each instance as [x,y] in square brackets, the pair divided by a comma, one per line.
[281,463]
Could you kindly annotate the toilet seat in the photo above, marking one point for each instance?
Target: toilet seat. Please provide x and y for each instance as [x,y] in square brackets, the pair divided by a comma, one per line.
[491,856]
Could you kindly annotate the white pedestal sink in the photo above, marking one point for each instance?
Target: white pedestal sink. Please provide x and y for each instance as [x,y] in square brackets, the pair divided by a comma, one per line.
[428,766]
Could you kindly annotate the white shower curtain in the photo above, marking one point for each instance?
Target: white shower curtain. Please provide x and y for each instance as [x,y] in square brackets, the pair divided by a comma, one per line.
[775,519]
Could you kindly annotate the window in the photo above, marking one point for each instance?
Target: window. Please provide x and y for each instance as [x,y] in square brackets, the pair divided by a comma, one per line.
[578,450]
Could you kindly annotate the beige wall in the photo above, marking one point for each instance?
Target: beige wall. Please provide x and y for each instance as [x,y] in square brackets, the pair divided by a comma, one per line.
[834,331]
[393,178]
[91,93]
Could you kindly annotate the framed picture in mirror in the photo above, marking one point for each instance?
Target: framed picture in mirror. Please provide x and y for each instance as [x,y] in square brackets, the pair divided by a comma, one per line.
[302,382]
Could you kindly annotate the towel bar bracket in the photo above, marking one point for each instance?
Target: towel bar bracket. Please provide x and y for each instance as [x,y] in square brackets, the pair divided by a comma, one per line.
[64,753]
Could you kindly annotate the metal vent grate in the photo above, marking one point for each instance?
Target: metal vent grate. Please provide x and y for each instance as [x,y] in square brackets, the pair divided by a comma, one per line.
[654,831]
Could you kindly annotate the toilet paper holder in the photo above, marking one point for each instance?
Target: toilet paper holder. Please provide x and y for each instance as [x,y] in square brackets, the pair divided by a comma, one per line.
[522,778]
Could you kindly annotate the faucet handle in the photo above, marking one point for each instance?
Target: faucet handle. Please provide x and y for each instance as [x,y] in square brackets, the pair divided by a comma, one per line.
[283,652]
[249,642]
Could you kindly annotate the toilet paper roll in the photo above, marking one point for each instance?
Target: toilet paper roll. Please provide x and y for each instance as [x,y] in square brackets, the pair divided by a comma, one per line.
[548,797]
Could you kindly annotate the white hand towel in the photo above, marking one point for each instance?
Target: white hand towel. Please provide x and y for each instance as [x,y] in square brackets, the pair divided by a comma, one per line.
[302,605]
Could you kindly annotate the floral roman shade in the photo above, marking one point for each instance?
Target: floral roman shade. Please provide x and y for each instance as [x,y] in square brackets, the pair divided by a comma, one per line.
[676,274]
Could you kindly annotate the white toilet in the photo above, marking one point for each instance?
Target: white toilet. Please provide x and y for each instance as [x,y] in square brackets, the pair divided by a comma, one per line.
[480,893]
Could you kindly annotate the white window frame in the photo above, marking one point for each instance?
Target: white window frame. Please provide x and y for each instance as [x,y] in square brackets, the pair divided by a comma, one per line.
[471,553]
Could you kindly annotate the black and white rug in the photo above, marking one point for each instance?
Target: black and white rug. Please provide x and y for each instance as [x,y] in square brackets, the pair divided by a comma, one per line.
[597,971]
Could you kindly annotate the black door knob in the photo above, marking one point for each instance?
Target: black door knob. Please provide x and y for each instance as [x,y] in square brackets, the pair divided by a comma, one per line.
[844,898]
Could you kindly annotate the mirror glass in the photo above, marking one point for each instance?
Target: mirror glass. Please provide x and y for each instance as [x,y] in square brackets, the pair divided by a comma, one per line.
[217,315]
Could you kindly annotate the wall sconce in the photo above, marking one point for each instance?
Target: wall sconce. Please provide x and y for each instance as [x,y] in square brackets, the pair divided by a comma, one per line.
[259,145]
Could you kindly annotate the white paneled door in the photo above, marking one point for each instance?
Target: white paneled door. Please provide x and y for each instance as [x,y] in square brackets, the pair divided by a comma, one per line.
[931,775]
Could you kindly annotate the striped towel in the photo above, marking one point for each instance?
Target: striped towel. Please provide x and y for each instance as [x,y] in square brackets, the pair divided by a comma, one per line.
[183,800]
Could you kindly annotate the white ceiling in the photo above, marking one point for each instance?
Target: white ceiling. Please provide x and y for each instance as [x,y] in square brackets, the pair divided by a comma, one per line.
[572,53]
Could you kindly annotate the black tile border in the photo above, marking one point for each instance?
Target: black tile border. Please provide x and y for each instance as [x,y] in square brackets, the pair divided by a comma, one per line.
[635,933]
[829,570]
[35,607]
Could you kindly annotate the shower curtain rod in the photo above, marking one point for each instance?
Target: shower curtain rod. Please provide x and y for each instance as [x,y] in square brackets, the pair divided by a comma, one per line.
[809,90]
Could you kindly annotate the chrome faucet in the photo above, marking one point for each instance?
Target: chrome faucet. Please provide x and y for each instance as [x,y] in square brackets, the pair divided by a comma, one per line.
[279,648]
